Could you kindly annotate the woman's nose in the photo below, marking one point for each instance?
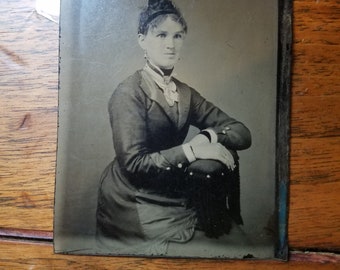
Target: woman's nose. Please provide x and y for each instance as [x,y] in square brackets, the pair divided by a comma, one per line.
[170,43]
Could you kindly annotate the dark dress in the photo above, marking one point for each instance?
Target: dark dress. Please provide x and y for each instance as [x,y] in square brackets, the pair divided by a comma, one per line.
[142,204]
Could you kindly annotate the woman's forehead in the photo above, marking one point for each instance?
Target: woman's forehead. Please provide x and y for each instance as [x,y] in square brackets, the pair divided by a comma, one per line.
[167,25]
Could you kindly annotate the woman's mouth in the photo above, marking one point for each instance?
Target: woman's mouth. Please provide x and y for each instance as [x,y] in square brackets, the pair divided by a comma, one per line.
[170,54]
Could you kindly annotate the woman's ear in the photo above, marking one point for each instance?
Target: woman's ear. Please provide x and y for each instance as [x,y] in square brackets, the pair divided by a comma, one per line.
[141,41]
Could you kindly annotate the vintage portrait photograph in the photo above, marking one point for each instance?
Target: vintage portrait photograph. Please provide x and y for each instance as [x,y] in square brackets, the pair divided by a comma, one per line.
[168,129]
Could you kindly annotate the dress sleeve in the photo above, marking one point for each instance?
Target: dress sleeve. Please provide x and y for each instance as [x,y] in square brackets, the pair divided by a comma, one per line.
[233,134]
[128,110]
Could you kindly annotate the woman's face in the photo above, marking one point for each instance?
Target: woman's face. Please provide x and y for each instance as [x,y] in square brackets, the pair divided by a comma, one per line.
[163,43]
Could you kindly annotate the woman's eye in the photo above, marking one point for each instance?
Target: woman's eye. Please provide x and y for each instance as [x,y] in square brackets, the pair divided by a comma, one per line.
[161,35]
[178,36]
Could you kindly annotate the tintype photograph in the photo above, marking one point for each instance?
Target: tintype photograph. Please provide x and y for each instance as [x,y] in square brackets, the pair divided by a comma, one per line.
[172,135]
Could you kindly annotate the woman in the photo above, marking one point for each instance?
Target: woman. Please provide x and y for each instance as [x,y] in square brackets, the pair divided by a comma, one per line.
[143,197]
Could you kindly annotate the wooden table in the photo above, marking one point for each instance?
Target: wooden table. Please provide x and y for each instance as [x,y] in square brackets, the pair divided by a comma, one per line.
[28,133]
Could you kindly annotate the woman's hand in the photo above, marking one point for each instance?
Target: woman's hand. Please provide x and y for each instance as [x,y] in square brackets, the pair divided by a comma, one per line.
[214,151]
[199,139]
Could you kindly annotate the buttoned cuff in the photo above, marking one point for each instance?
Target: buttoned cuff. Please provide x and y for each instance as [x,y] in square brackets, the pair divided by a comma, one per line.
[176,157]
[188,152]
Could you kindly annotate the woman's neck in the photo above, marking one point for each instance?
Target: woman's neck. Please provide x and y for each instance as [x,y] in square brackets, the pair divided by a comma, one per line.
[161,71]
[167,72]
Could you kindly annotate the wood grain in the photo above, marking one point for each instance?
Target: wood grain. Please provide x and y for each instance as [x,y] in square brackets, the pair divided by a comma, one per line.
[314,86]
[28,116]
[28,128]
[314,117]
[319,158]
[314,208]
[314,211]
[22,255]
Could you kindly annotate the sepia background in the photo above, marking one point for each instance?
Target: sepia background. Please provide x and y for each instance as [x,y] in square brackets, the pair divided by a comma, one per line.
[229,56]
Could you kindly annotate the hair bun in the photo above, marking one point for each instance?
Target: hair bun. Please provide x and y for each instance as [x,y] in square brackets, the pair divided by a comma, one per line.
[157,5]
[156,8]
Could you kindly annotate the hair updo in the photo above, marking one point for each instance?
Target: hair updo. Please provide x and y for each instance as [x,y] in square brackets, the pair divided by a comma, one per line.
[156,12]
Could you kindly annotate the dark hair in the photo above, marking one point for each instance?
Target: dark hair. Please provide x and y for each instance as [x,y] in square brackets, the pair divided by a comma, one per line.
[156,12]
